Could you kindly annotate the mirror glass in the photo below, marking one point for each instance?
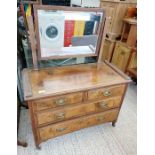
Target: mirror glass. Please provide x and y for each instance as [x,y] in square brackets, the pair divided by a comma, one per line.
[68,33]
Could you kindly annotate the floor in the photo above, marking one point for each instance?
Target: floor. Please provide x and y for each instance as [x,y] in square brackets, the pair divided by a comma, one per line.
[98,140]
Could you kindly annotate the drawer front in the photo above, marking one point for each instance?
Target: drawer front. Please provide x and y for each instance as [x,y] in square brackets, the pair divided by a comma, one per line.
[43,104]
[76,124]
[108,104]
[104,93]
[107,116]
[52,116]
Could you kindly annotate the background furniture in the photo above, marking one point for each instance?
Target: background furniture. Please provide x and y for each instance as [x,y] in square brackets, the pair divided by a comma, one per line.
[132,66]
[131,35]
[121,55]
[122,21]
[125,58]
[108,49]
[116,10]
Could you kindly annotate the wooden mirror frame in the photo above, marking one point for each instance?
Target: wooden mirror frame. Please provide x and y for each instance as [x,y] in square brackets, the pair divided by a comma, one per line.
[31,2]
[64,8]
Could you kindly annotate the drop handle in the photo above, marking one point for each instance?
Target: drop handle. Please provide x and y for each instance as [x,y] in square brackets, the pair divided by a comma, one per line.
[103,105]
[106,93]
[100,118]
[60,115]
[61,129]
[60,102]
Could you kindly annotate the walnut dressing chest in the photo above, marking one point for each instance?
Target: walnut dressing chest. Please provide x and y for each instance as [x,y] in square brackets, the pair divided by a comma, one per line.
[69,98]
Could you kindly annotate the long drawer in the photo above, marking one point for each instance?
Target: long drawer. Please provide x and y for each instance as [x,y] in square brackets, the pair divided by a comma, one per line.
[53,102]
[73,111]
[106,92]
[76,124]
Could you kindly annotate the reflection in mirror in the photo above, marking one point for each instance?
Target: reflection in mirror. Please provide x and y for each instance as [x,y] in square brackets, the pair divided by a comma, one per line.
[64,33]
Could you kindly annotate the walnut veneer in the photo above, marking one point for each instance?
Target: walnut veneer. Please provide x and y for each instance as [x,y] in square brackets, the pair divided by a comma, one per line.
[65,99]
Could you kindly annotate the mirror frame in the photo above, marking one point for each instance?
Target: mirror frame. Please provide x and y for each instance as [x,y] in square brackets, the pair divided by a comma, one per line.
[64,8]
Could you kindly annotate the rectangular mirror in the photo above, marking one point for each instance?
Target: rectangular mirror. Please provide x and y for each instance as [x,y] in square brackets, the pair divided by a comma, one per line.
[64,32]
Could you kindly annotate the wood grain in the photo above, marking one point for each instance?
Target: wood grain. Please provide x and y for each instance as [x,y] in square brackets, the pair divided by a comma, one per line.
[108,49]
[121,56]
[119,71]
[103,39]
[69,98]
[76,124]
[100,93]
[53,102]
[26,83]
[116,10]
[62,80]
[132,37]
[68,112]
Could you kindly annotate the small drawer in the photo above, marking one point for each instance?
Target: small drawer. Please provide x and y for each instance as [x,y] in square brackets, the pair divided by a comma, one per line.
[104,93]
[107,116]
[61,128]
[52,102]
[108,103]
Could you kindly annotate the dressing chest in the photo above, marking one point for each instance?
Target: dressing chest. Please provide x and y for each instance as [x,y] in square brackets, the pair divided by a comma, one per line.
[65,99]
[69,98]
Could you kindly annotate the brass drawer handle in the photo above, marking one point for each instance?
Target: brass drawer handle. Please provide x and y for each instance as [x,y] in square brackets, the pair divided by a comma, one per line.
[100,118]
[103,105]
[106,93]
[60,115]
[122,53]
[60,102]
[61,129]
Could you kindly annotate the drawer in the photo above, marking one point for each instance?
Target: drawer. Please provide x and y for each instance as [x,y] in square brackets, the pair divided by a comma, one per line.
[52,102]
[107,116]
[76,124]
[106,92]
[108,104]
[52,116]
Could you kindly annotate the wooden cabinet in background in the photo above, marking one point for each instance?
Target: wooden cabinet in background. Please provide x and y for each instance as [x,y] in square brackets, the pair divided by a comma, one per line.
[108,49]
[132,66]
[121,56]
[130,25]
[133,61]
[116,10]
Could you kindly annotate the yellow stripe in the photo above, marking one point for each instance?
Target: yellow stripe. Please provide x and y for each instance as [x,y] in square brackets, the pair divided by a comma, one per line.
[28,11]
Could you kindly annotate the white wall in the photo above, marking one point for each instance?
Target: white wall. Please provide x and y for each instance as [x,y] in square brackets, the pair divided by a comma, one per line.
[86,3]
[91,3]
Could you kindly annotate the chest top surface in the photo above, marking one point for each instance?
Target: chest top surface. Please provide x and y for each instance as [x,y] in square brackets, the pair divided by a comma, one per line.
[66,79]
